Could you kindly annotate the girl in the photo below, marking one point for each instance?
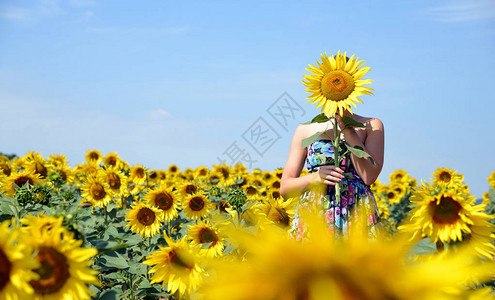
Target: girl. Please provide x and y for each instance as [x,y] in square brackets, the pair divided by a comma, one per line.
[355,188]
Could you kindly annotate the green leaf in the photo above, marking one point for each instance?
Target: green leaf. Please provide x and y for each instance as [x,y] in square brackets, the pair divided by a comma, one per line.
[111,294]
[113,260]
[359,152]
[308,141]
[137,268]
[115,276]
[321,118]
[423,247]
[350,122]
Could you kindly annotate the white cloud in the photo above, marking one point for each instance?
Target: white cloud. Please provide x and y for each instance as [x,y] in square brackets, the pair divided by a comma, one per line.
[464,11]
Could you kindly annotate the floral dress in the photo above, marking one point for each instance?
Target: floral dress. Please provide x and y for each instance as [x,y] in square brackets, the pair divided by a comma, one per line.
[355,195]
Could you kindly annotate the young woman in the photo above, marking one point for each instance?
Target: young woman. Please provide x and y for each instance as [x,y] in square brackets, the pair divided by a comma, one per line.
[355,189]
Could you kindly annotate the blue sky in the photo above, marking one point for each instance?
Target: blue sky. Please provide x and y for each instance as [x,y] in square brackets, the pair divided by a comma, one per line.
[163,82]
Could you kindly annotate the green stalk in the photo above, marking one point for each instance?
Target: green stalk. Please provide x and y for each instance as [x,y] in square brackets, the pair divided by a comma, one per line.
[336,149]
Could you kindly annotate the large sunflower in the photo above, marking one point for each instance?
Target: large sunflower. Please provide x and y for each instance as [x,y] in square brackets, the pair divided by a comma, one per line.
[64,271]
[440,214]
[165,199]
[19,179]
[138,174]
[203,234]
[144,219]
[196,205]
[16,265]
[187,187]
[112,160]
[337,83]
[116,180]
[175,266]
[37,163]
[97,191]
[448,177]
[93,156]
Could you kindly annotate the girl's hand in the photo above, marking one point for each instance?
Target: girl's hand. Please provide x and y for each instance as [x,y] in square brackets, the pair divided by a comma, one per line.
[339,118]
[329,175]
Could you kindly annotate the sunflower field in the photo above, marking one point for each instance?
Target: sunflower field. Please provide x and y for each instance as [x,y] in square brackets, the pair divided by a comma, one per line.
[106,229]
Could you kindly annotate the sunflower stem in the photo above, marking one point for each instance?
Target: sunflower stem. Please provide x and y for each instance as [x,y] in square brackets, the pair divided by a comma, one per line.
[106,215]
[336,149]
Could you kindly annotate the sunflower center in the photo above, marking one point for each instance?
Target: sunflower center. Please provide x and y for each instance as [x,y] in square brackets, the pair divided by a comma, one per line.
[114,181]
[94,156]
[5,268]
[276,194]
[54,271]
[447,212]
[62,174]
[97,191]
[146,216]
[21,181]
[391,195]
[279,215]
[276,184]
[191,189]
[153,175]
[5,169]
[251,191]
[174,259]
[202,172]
[164,201]
[445,177]
[337,85]
[41,169]
[173,169]
[140,173]
[225,172]
[196,203]
[206,235]
[111,161]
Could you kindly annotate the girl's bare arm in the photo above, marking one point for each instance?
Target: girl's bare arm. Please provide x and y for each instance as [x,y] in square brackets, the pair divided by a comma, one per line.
[291,185]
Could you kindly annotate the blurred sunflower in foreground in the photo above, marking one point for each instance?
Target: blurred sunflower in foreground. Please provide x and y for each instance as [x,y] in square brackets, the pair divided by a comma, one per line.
[322,267]
[16,265]
[337,83]
[64,266]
